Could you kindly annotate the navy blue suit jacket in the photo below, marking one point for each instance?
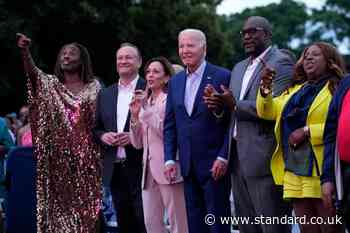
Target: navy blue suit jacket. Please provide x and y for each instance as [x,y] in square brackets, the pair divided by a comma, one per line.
[201,137]
[330,130]
[106,121]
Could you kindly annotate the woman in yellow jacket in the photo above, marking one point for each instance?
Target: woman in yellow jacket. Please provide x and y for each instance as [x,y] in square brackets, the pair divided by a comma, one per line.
[300,114]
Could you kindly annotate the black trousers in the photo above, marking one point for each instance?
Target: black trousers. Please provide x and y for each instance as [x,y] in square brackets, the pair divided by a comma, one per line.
[126,195]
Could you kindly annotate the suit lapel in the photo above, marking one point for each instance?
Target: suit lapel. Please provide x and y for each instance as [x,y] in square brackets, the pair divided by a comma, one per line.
[141,84]
[257,71]
[237,79]
[252,79]
[181,89]
[114,105]
[320,98]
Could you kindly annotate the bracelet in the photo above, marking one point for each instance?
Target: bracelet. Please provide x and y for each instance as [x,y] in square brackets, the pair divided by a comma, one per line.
[134,122]
[306,130]
[264,91]
[220,115]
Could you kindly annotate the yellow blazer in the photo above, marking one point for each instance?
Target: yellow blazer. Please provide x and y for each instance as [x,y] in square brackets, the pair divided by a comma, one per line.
[270,108]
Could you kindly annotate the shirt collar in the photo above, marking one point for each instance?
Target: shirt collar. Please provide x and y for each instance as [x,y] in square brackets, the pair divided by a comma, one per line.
[199,71]
[260,57]
[131,85]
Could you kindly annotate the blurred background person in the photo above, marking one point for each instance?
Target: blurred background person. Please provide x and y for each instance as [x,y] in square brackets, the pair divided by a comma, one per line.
[300,115]
[23,114]
[24,133]
[13,125]
[177,68]
[6,140]
[147,118]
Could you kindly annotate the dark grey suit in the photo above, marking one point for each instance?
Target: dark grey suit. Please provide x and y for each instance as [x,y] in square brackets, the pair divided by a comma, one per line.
[123,178]
[106,121]
[254,191]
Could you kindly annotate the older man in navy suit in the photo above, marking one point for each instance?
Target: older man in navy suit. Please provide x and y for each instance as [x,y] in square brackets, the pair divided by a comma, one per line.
[201,134]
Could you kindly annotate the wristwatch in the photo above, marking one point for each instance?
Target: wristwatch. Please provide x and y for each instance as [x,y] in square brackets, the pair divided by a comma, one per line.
[134,123]
[265,90]
[218,115]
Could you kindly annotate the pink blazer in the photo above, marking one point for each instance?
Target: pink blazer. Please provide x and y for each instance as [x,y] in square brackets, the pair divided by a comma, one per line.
[149,135]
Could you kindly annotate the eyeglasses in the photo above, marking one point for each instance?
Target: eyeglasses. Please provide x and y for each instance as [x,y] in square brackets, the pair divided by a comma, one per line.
[251,31]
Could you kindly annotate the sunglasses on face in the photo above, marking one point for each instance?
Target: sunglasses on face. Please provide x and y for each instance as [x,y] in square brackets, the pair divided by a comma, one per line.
[250,31]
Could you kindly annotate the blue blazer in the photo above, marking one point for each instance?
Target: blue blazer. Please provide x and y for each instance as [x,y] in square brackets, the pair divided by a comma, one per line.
[106,121]
[330,131]
[201,137]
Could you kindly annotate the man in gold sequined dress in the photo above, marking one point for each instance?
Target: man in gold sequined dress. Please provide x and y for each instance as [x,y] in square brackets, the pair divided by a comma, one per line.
[62,108]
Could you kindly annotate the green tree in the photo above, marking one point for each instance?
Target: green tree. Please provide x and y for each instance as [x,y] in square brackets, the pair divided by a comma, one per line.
[332,22]
[101,26]
[287,18]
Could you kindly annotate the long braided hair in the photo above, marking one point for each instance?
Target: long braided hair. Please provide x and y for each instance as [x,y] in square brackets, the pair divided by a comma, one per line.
[86,72]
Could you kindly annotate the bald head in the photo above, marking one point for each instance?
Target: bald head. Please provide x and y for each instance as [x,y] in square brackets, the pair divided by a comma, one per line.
[261,22]
[256,35]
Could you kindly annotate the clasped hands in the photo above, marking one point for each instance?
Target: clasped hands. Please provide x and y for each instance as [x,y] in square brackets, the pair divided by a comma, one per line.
[216,101]
[116,139]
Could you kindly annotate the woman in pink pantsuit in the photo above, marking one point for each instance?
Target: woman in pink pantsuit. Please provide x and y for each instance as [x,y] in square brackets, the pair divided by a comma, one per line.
[147,115]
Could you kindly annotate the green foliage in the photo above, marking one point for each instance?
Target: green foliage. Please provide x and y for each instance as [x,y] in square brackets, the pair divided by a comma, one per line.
[153,25]
[101,26]
[287,18]
[334,16]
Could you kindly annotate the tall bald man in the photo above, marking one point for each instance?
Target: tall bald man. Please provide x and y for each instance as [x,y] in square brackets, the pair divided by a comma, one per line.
[122,163]
[200,134]
[252,139]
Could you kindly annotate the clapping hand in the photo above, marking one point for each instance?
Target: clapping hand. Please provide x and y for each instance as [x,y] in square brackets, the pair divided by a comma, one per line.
[227,98]
[212,99]
[217,101]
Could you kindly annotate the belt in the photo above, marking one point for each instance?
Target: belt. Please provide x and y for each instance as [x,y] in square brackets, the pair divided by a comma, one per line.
[120,161]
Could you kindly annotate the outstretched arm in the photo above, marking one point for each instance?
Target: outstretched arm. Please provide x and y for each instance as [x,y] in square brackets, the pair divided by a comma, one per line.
[23,42]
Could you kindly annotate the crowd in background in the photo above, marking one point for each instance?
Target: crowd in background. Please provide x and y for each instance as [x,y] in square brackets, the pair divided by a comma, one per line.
[15,129]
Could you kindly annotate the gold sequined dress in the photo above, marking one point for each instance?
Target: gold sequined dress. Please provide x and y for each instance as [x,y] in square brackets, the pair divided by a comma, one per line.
[68,159]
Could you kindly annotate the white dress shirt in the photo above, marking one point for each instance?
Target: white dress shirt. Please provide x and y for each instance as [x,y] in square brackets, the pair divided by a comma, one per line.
[193,81]
[125,94]
[247,77]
